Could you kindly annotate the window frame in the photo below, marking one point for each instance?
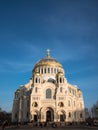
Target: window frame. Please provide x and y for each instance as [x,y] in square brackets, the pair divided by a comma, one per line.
[48,93]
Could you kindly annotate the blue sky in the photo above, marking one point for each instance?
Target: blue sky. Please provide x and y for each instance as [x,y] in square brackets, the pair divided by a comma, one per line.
[69,28]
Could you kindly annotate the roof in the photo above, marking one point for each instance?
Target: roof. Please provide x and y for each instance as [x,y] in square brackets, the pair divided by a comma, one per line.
[48,61]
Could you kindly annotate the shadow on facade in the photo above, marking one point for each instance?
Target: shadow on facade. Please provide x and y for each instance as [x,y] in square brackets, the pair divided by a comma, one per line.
[48,116]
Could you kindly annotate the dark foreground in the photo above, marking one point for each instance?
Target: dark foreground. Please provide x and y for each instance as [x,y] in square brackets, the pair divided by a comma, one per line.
[28,127]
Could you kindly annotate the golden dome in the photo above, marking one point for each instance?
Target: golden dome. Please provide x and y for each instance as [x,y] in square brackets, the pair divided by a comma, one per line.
[48,61]
[60,74]
[37,73]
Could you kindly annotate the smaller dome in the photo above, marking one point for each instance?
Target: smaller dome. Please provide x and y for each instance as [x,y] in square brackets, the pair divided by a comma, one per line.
[17,91]
[37,73]
[60,74]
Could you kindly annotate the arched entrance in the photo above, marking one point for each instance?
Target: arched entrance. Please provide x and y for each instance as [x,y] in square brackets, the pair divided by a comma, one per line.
[49,115]
[62,116]
[34,116]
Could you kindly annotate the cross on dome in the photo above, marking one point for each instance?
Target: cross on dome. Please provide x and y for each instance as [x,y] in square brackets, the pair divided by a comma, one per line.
[48,53]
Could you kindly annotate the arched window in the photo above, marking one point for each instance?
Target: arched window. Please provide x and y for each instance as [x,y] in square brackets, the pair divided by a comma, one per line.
[69,115]
[36,80]
[42,70]
[51,70]
[75,115]
[81,115]
[61,89]
[60,80]
[55,70]
[45,70]
[48,70]
[39,70]
[48,93]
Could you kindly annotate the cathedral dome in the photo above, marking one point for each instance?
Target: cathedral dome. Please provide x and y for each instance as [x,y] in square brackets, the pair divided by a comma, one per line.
[48,61]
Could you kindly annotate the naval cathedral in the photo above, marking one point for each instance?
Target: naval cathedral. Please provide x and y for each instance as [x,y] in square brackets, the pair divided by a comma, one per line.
[48,97]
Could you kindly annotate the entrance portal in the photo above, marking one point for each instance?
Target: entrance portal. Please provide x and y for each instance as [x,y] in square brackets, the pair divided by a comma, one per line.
[62,115]
[35,118]
[49,115]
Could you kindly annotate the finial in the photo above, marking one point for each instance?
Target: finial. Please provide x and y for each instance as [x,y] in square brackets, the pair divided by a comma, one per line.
[48,53]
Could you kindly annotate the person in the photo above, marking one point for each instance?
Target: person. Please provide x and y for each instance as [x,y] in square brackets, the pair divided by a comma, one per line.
[4,125]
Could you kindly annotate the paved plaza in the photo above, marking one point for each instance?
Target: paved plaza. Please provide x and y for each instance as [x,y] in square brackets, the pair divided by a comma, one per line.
[51,128]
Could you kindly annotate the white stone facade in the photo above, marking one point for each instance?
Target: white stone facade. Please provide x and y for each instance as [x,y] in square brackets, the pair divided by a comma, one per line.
[48,96]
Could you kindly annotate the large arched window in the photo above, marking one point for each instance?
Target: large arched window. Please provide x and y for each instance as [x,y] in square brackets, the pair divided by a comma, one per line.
[48,93]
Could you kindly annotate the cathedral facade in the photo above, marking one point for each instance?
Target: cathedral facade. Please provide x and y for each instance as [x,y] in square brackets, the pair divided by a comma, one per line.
[48,97]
